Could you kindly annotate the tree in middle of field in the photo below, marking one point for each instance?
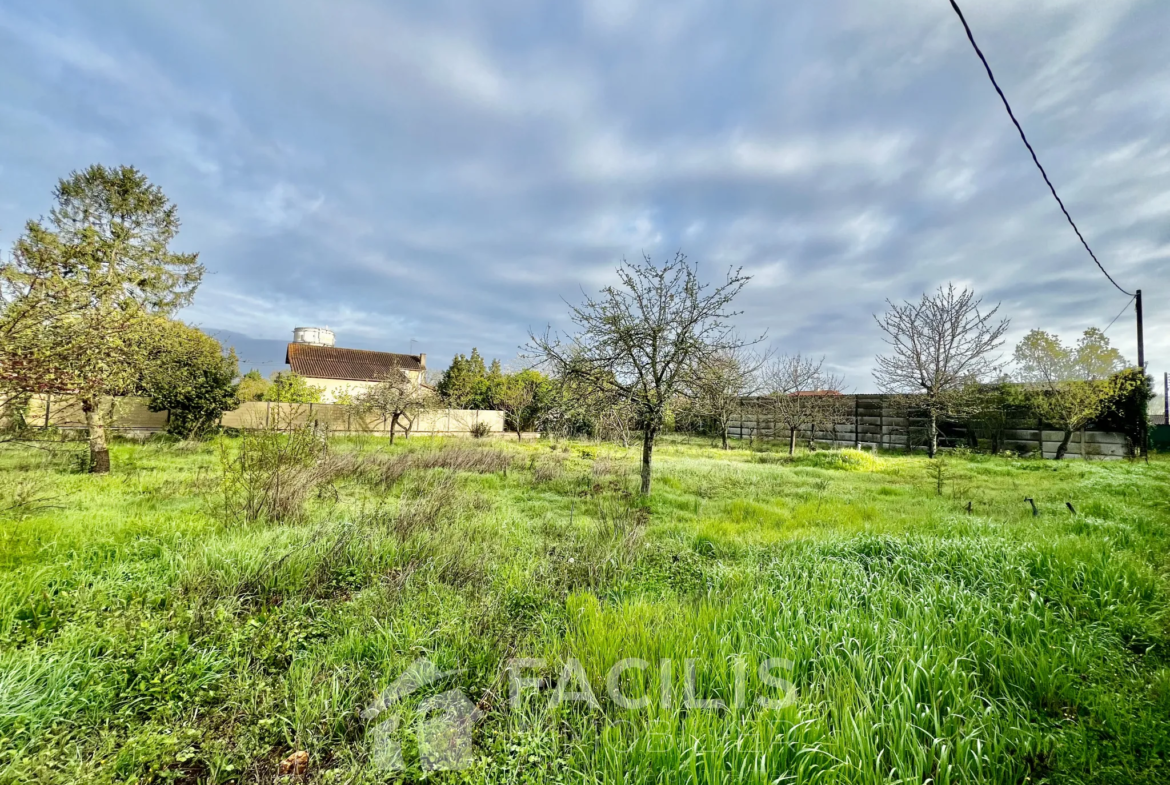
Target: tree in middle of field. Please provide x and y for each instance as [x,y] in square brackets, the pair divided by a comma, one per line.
[941,348]
[398,400]
[82,293]
[1068,386]
[188,375]
[723,382]
[803,396]
[645,339]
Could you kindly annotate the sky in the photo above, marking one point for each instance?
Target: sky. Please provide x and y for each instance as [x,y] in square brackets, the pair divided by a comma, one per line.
[429,177]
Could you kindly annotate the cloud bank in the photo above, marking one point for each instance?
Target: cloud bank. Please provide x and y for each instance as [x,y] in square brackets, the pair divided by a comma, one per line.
[429,172]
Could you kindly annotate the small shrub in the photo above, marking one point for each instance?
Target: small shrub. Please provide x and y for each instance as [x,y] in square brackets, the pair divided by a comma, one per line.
[480,430]
[274,473]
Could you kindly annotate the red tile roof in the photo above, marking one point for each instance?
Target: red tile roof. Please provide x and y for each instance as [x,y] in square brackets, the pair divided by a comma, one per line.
[355,365]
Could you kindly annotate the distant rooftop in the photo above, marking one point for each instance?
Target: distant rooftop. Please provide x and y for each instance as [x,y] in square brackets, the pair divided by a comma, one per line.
[354,365]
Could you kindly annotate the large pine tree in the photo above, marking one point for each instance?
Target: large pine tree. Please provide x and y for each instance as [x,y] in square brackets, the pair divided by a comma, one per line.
[81,289]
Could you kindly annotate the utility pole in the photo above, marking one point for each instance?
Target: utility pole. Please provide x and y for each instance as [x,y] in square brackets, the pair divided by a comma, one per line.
[1166,399]
[1137,301]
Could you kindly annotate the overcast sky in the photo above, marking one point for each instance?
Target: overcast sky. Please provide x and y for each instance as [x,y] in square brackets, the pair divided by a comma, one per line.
[448,171]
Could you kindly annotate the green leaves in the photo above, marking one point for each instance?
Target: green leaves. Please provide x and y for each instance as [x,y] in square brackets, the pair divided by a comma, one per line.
[80,295]
[291,388]
[121,227]
[524,396]
[189,376]
[1069,386]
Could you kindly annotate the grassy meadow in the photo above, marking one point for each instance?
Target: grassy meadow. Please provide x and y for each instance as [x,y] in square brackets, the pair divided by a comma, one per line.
[158,625]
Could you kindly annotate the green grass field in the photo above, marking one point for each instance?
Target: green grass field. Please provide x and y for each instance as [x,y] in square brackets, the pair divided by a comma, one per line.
[148,634]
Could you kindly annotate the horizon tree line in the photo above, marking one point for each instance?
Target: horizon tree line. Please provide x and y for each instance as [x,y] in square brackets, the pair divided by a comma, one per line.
[89,295]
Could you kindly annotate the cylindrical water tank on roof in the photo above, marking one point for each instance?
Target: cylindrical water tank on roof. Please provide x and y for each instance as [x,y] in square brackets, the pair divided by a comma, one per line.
[317,336]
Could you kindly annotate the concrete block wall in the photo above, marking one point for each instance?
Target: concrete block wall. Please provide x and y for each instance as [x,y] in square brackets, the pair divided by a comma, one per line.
[131,415]
[877,422]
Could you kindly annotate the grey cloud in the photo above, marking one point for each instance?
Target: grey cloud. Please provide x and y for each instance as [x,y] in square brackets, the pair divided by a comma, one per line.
[446,173]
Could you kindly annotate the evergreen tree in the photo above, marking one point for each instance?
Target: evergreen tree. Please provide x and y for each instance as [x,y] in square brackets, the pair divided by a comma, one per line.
[462,385]
[78,295]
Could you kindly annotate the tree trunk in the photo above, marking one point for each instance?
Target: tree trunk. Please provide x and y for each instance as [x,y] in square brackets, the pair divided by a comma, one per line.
[932,444]
[393,423]
[99,451]
[1062,448]
[791,441]
[647,456]
[724,434]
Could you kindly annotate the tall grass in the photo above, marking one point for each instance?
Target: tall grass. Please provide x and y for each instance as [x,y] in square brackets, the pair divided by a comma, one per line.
[149,634]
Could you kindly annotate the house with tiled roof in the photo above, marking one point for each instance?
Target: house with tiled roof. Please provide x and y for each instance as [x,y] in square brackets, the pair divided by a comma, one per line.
[314,355]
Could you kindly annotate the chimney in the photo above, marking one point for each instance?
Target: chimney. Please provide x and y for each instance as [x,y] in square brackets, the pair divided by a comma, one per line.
[422,360]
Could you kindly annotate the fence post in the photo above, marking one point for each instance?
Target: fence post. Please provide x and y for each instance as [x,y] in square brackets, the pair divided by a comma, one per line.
[856,424]
[48,401]
[267,414]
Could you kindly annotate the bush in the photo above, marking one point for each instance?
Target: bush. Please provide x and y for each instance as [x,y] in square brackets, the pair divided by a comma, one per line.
[1126,410]
[291,388]
[273,474]
[188,376]
[252,387]
[480,430]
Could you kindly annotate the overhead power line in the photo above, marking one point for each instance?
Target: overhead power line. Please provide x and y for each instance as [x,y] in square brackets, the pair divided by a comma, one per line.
[1027,144]
[1119,313]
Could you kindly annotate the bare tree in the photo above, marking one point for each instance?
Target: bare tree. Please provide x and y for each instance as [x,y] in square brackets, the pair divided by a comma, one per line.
[940,348]
[800,395]
[722,381]
[614,418]
[832,409]
[573,408]
[644,338]
[398,400]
